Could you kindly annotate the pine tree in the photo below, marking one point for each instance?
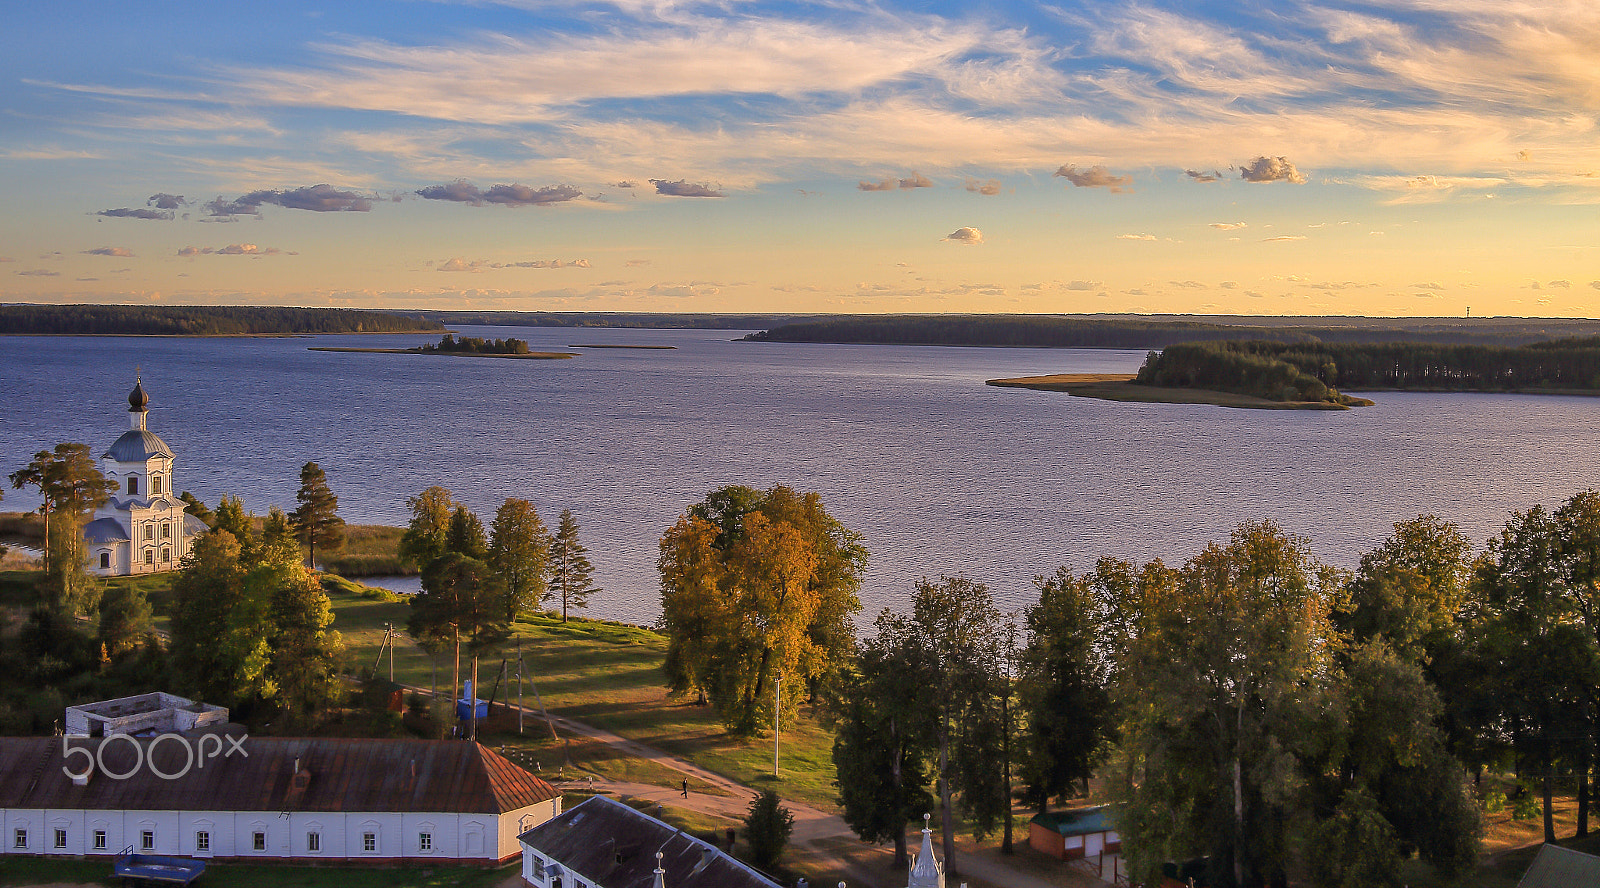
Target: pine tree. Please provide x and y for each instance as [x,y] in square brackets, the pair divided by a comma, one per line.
[465,536]
[570,570]
[317,521]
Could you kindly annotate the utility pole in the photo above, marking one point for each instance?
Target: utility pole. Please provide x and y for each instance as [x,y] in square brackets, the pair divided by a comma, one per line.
[519,687]
[777,708]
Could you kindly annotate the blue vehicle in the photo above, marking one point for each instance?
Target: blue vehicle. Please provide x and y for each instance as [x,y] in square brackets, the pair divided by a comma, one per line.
[145,869]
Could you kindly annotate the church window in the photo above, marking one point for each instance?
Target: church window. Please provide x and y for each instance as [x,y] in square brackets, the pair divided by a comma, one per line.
[149,556]
[105,560]
[133,486]
[150,531]
[166,554]
[166,531]
[155,485]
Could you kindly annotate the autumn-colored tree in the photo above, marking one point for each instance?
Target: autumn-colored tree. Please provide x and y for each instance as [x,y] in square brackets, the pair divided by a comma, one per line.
[71,486]
[462,599]
[519,550]
[219,646]
[305,654]
[427,536]
[757,588]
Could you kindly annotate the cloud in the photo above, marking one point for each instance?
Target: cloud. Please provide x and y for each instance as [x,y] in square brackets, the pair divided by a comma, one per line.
[457,264]
[163,201]
[1229,285]
[1561,285]
[885,185]
[40,272]
[232,250]
[1272,169]
[122,252]
[1430,285]
[636,263]
[970,236]
[462,191]
[916,180]
[682,188]
[988,188]
[1139,237]
[1283,237]
[1200,176]
[1229,226]
[1094,177]
[136,213]
[477,265]
[1188,285]
[1083,285]
[316,198]
[1595,284]
[625,183]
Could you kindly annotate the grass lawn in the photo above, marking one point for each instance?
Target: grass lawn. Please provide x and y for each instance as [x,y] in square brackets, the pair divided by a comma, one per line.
[370,550]
[608,675]
[19,871]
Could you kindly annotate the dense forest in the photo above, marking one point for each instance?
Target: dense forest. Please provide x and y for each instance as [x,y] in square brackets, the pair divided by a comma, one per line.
[1135,331]
[200,320]
[639,320]
[1309,371]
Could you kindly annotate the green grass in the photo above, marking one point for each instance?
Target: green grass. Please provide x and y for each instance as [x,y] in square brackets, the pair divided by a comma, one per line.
[608,675]
[19,871]
[370,550]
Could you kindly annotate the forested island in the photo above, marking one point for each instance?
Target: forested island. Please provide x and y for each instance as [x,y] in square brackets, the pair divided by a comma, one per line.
[1141,331]
[201,320]
[470,346]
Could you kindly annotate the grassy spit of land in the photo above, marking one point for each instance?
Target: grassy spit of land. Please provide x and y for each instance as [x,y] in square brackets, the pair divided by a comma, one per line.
[1121,387]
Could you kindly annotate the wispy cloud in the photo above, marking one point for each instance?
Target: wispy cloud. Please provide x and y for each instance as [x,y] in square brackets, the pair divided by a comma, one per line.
[1229,226]
[968,235]
[462,191]
[120,252]
[136,213]
[915,180]
[1137,237]
[1096,176]
[682,188]
[1283,237]
[988,188]
[233,250]
[316,198]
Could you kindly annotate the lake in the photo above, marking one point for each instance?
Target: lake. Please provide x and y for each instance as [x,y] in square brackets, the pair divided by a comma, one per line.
[938,472]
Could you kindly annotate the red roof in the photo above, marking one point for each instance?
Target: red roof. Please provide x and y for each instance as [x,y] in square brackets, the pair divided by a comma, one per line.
[446,776]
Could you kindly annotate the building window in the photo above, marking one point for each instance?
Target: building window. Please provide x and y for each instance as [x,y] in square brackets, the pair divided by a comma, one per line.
[61,838]
[147,840]
[313,842]
[150,531]
[155,485]
[133,486]
[369,842]
[20,839]
[99,840]
[166,531]
[538,868]
[259,841]
[149,556]
[166,554]
[105,560]
[202,842]
[424,841]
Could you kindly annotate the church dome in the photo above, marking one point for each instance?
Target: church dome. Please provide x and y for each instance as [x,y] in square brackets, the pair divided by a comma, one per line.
[138,401]
[138,445]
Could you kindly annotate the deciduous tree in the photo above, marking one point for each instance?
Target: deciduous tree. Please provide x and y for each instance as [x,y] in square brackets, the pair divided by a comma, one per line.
[220,644]
[462,599]
[71,486]
[316,520]
[519,550]
[427,536]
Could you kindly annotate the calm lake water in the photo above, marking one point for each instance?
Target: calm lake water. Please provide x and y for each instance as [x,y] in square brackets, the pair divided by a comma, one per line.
[938,472]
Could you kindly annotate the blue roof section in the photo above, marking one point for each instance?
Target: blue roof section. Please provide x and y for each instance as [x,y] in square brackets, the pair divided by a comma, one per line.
[1080,822]
[104,530]
[138,445]
[193,526]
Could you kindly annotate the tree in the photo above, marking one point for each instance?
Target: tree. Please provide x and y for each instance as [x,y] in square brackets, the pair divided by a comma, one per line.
[316,520]
[460,597]
[125,618]
[757,589]
[519,550]
[232,519]
[220,648]
[1226,689]
[71,486]
[1578,546]
[767,826]
[427,535]
[570,570]
[465,536]
[1065,685]
[1410,590]
[195,507]
[305,653]
[884,738]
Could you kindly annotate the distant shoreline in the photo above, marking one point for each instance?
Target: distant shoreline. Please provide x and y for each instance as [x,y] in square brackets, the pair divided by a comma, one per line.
[1120,387]
[537,356]
[645,347]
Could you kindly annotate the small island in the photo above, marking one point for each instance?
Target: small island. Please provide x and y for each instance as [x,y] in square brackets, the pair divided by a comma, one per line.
[466,346]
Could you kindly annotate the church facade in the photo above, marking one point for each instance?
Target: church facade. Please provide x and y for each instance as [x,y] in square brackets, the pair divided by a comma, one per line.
[142,528]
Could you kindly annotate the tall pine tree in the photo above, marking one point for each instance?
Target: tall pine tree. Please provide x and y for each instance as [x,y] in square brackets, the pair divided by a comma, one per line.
[570,570]
[316,520]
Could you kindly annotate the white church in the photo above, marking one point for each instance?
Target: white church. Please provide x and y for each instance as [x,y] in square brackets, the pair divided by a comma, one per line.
[142,528]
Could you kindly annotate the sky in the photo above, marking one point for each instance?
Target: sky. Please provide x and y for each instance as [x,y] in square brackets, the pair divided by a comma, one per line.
[1402,158]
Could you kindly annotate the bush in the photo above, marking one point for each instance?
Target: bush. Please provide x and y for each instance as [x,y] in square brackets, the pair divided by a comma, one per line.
[767,828]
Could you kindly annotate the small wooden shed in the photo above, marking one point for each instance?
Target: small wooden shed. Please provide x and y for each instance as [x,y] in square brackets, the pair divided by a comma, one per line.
[1068,835]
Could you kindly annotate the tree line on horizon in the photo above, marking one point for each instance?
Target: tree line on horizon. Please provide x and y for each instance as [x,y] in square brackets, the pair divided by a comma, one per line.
[202,320]
[1310,371]
[1254,708]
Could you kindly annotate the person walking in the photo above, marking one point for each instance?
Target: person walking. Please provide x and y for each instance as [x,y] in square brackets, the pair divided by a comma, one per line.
[685,787]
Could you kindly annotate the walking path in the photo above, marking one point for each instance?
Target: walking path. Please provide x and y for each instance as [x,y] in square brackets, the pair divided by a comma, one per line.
[816,833]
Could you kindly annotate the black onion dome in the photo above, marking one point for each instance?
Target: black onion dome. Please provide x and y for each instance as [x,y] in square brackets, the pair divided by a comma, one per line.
[138,401]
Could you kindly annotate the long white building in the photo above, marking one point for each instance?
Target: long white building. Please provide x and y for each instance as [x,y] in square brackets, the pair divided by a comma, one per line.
[227,796]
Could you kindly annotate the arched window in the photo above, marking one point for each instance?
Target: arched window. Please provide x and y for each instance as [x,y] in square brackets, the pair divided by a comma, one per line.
[105,560]
[133,486]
